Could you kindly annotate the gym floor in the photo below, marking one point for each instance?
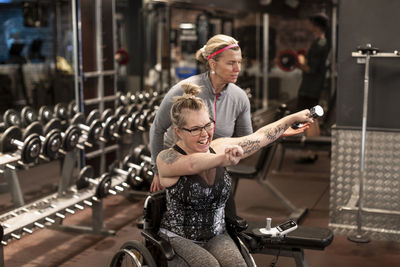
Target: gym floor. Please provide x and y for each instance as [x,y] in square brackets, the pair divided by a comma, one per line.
[306,185]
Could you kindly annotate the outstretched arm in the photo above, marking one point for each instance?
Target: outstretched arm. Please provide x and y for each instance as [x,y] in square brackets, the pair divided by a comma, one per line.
[263,136]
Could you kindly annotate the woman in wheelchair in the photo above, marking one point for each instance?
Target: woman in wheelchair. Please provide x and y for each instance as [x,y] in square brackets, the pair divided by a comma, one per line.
[197,184]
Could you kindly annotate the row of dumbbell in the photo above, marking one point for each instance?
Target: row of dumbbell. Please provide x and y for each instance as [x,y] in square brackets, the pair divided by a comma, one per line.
[136,169]
[138,98]
[47,141]
[28,115]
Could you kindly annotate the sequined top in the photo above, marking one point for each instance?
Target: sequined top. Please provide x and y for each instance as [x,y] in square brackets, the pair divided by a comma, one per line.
[196,210]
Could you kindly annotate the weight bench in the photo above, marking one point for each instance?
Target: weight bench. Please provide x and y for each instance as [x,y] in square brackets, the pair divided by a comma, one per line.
[259,172]
[303,142]
[292,245]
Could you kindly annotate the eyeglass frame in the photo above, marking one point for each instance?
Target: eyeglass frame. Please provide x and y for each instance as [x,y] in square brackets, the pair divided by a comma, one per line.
[200,128]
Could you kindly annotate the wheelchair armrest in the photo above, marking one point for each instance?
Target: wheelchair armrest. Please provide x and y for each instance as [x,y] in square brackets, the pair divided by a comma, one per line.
[161,243]
[236,223]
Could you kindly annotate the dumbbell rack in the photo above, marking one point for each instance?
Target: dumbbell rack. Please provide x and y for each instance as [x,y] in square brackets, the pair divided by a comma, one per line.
[51,210]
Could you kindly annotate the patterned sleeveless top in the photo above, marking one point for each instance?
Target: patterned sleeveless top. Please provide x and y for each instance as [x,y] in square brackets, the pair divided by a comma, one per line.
[196,210]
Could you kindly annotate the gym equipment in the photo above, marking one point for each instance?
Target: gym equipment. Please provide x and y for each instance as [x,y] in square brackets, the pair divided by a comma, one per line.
[287,60]
[278,231]
[54,123]
[29,148]
[72,108]
[10,118]
[61,111]
[70,138]
[316,111]
[103,185]
[108,122]
[156,251]
[143,172]
[141,153]
[28,116]
[123,125]
[131,175]
[92,133]
[45,114]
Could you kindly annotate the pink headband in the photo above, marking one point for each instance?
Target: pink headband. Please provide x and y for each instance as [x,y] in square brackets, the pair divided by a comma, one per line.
[222,50]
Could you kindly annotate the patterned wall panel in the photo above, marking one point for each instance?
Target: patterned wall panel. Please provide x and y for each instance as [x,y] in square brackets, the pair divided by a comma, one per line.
[381,200]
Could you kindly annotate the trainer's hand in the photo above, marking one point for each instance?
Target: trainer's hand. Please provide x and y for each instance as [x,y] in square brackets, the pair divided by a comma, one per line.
[290,131]
[155,184]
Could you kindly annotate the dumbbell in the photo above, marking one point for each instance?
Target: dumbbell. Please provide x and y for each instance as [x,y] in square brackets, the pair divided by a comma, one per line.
[28,115]
[123,100]
[61,112]
[92,132]
[45,114]
[142,173]
[120,111]
[141,154]
[72,108]
[130,174]
[29,148]
[109,123]
[10,118]
[51,141]
[103,184]
[316,111]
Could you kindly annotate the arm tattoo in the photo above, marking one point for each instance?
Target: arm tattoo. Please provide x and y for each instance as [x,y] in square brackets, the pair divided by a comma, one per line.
[273,133]
[169,156]
[250,146]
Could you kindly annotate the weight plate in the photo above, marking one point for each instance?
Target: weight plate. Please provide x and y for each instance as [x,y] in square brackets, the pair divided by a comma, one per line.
[93,115]
[123,124]
[287,60]
[104,185]
[126,161]
[110,128]
[95,131]
[134,181]
[31,148]
[131,109]
[120,111]
[72,108]
[28,115]
[106,114]
[35,127]
[10,133]
[61,111]
[78,118]
[52,124]
[11,118]
[52,144]
[45,114]
[139,151]
[71,137]
[85,174]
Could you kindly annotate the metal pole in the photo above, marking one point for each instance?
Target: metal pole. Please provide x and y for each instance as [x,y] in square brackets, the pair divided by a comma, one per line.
[359,237]
[265,61]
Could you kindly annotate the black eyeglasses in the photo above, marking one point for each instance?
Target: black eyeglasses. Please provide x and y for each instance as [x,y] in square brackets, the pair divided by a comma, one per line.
[197,130]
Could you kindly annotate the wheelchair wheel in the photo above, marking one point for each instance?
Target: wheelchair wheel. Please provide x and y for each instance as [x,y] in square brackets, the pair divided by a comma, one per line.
[133,253]
[246,254]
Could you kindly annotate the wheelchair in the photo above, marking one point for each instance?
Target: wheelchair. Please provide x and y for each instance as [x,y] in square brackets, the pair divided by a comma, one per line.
[155,250]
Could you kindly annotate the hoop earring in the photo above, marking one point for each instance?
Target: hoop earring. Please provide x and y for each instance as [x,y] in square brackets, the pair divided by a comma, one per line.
[212,72]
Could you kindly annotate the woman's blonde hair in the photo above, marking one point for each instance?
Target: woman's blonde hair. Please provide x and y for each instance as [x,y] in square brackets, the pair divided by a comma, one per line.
[189,101]
[214,44]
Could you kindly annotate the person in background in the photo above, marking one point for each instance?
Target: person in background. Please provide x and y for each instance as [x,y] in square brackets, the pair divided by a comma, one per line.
[313,66]
[197,184]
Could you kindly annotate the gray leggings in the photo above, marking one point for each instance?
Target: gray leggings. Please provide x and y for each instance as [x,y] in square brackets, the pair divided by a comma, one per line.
[221,250]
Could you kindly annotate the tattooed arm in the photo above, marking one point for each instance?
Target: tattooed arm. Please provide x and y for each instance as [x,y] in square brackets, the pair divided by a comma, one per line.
[172,165]
[263,136]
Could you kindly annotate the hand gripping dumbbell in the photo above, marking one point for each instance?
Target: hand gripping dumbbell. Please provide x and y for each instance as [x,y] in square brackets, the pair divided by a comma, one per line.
[29,148]
[316,111]
[28,116]
[51,141]
[45,114]
[109,123]
[103,184]
[91,133]
[10,118]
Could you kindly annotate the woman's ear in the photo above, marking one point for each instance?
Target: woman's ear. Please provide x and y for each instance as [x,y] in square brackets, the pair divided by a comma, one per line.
[177,132]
